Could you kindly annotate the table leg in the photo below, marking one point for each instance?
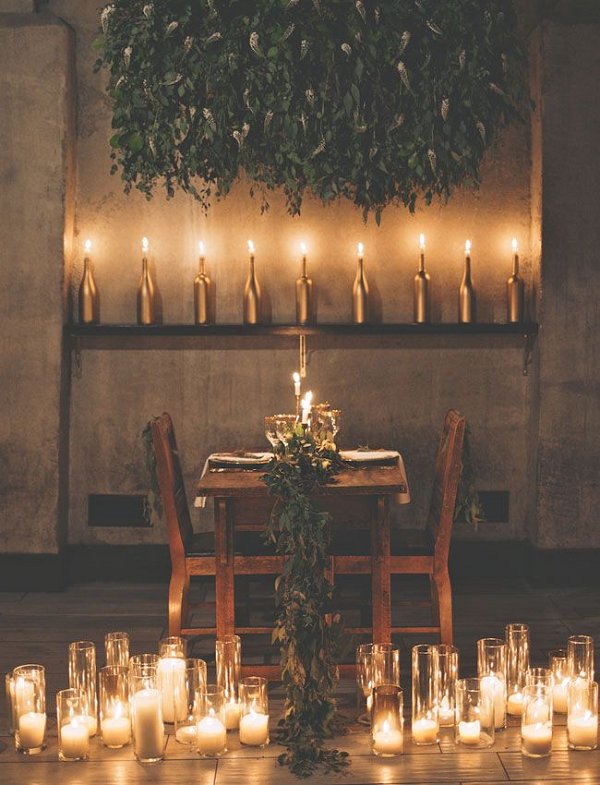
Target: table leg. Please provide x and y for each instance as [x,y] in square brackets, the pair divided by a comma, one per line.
[224,578]
[380,571]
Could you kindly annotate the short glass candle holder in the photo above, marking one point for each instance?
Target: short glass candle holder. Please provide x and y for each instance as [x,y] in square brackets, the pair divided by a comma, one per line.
[9,686]
[210,721]
[82,675]
[387,721]
[474,715]
[228,660]
[137,661]
[582,717]
[30,708]
[186,731]
[254,719]
[536,721]
[538,677]
[491,669]
[560,679]
[72,722]
[171,678]
[517,664]
[115,721]
[425,694]
[146,713]
[580,657]
[448,664]
[376,664]
[116,649]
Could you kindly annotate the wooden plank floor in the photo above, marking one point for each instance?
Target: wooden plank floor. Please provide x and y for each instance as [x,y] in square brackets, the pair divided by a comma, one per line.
[36,627]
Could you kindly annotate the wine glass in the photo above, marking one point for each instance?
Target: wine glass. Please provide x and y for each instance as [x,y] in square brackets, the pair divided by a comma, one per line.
[285,424]
[271,432]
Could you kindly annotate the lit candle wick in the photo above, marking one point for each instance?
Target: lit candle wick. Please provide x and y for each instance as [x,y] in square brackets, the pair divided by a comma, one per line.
[515,246]
[145,245]
[250,247]
[201,247]
[87,246]
[360,249]
[468,248]
[422,242]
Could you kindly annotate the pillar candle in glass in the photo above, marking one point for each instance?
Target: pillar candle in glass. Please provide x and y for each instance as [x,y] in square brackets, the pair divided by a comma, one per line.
[474,715]
[425,694]
[171,678]
[30,708]
[145,698]
[9,686]
[517,663]
[115,723]
[228,659]
[557,659]
[72,724]
[116,649]
[211,736]
[376,664]
[82,675]
[448,664]
[254,718]
[538,677]
[387,721]
[491,669]
[195,685]
[536,721]
[582,718]
[580,657]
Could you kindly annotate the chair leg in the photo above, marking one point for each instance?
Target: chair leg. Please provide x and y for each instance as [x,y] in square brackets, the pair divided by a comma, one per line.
[442,591]
[179,588]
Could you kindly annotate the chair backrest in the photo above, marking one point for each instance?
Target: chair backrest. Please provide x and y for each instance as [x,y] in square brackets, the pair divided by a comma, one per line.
[448,467]
[172,488]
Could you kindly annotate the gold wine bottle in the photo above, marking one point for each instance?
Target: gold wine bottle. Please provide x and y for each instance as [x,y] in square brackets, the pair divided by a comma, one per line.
[146,306]
[515,290]
[360,291]
[252,305]
[304,287]
[89,299]
[202,293]
[466,292]
[422,291]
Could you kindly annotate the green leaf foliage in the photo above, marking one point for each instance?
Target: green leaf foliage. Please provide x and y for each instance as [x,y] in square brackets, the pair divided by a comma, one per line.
[378,103]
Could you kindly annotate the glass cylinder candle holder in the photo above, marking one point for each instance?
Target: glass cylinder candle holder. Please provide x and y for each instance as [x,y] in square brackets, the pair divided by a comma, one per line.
[115,722]
[30,708]
[116,649]
[228,659]
[376,664]
[580,657]
[254,719]
[387,721]
[560,679]
[517,664]
[425,694]
[538,677]
[448,665]
[474,715]
[491,669]
[137,661]
[72,722]
[9,686]
[536,721]
[211,739]
[582,717]
[82,675]
[171,676]
[146,713]
[195,684]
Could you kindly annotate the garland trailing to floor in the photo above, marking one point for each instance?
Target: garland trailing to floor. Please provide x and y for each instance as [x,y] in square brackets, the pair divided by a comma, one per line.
[308,642]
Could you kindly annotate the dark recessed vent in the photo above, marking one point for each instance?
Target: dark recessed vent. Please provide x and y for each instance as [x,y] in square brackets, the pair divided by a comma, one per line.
[495,505]
[117,509]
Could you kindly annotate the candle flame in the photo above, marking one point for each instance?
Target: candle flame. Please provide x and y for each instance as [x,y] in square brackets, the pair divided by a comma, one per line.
[386,726]
[468,247]
[422,241]
[87,246]
[303,249]
[308,398]
[201,247]
[250,247]
[360,249]
[145,244]
[296,377]
[515,245]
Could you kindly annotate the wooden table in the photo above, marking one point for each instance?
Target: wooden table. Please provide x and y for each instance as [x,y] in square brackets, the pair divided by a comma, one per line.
[358,497]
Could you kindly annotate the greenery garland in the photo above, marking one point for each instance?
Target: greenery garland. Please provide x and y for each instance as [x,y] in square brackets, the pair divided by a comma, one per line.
[373,101]
[307,641]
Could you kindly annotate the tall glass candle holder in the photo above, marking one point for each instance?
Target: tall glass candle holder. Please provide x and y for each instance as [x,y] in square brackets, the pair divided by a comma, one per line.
[474,726]
[517,663]
[146,713]
[9,686]
[115,722]
[228,658]
[82,675]
[171,677]
[448,664]
[491,669]
[560,679]
[254,718]
[210,721]
[580,657]
[72,724]
[538,677]
[387,721]
[376,664]
[425,694]
[582,718]
[195,684]
[536,722]
[116,649]
[30,708]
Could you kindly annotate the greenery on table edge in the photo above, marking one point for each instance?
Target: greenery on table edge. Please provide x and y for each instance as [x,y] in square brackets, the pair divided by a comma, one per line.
[308,640]
[373,102]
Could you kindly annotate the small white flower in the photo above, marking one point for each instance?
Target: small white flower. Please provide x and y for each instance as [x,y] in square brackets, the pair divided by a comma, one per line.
[254,45]
[432,159]
[213,37]
[127,55]
[495,89]
[359,5]
[318,149]
[209,117]
[402,70]
[170,27]
[148,10]
[304,47]
[434,28]
[303,121]
[288,31]
[445,108]
[399,120]
[347,49]
[377,14]
[291,4]
[187,43]
[310,96]
[105,15]
[238,138]
[404,41]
